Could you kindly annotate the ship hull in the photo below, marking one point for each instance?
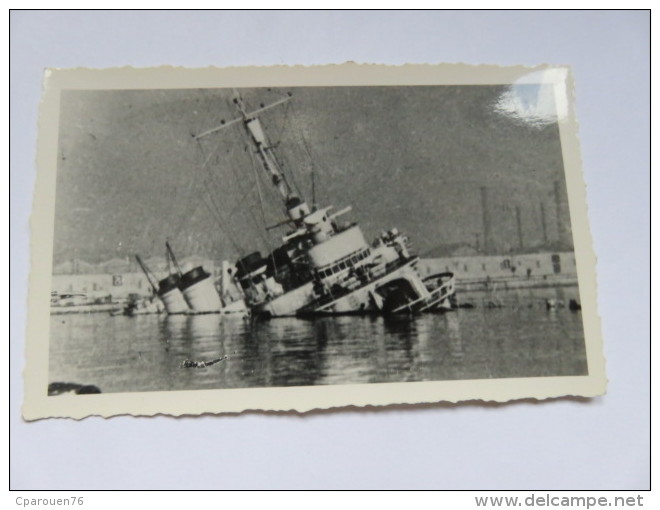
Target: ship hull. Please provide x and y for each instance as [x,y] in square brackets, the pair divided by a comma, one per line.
[287,305]
[235,307]
[200,292]
[343,273]
[174,302]
[395,292]
[202,297]
[398,291]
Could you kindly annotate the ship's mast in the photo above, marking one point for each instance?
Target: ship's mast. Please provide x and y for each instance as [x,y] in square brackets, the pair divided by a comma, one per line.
[296,208]
[172,257]
[148,274]
[258,136]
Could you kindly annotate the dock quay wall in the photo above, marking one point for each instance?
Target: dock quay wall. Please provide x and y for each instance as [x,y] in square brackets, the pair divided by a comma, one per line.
[472,273]
[117,279]
[117,286]
[505,271]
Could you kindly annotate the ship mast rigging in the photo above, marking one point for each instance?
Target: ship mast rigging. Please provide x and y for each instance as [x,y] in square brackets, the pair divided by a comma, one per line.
[171,257]
[296,208]
[153,282]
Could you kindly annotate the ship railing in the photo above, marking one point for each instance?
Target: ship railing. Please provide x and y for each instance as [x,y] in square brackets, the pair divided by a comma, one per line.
[426,303]
[353,283]
[350,260]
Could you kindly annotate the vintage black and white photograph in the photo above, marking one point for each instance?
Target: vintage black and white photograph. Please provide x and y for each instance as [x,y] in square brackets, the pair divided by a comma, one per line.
[283,235]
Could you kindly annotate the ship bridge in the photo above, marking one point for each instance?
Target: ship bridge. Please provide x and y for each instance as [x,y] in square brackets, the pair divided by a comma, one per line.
[341,247]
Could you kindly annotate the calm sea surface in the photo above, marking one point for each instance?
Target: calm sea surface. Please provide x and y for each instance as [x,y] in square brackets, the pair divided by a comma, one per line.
[519,338]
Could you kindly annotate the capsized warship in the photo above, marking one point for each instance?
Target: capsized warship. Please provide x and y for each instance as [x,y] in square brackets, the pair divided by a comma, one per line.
[193,291]
[324,266]
[166,289]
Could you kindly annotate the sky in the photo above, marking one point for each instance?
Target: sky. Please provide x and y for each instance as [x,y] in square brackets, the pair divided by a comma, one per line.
[131,174]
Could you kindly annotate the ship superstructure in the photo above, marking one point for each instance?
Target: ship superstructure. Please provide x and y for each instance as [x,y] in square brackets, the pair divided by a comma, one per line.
[324,265]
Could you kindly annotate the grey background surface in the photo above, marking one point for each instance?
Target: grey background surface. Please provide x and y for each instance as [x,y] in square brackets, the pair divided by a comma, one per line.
[566,444]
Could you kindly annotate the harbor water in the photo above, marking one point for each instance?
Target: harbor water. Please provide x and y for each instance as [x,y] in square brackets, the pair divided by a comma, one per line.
[508,334]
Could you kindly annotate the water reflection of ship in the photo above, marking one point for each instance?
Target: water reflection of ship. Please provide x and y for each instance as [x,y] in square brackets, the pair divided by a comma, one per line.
[294,352]
[364,349]
[454,339]
[286,352]
[429,347]
[173,327]
[353,349]
[326,267]
[206,337]
[203,327]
